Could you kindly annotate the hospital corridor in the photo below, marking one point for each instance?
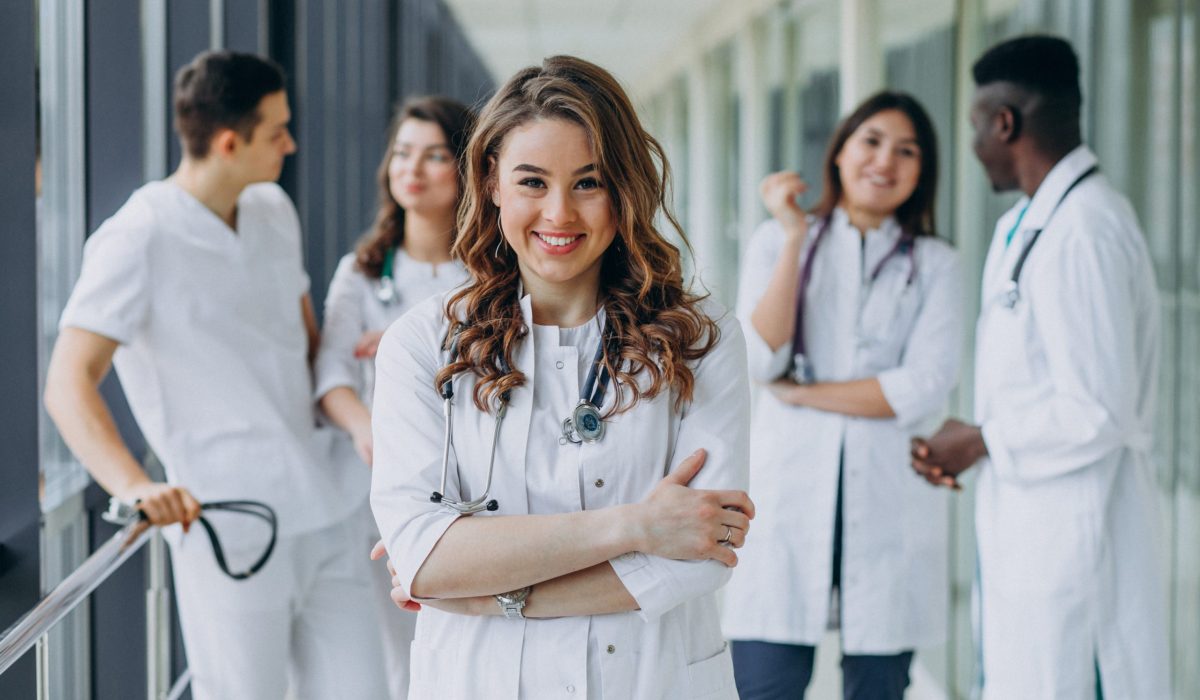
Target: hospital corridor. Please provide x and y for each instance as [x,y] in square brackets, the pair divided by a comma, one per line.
[523,349]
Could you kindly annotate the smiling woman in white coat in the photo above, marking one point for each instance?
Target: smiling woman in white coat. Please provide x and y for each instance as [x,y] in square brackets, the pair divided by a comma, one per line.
[853,321]
[403,259]
[561,446]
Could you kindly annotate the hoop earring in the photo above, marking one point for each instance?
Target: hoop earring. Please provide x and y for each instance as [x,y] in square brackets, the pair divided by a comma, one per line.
[500,241]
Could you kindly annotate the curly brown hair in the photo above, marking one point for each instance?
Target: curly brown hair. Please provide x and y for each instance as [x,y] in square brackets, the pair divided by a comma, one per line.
[387,232]
[658,326]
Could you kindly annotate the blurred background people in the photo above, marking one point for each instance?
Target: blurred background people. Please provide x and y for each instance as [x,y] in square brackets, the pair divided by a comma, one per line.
[853,319]
[1067,351]
[196,292]
[402,260]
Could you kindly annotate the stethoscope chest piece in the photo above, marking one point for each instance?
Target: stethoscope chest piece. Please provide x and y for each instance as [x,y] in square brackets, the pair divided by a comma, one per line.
[1011,296]
[802,370]
[386,291]
[584,424]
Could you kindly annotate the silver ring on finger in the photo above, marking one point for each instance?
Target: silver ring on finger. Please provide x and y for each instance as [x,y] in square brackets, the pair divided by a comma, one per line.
[728,534]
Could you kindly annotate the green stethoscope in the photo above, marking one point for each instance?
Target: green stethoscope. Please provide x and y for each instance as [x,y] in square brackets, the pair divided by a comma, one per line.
[385,289]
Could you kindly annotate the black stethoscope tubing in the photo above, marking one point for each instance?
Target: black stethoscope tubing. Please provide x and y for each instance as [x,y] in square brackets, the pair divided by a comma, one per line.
[1012,293]
[256,509]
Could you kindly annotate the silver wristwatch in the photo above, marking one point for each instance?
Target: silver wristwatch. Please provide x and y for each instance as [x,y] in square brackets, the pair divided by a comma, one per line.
[513,602]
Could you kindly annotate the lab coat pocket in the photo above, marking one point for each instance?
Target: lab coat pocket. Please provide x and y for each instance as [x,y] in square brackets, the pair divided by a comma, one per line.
[712,678]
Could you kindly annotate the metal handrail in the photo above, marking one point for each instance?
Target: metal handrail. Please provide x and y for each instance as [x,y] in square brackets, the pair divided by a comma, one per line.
[74,589]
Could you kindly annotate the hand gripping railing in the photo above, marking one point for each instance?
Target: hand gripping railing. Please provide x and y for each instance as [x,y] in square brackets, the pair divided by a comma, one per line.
[73,590]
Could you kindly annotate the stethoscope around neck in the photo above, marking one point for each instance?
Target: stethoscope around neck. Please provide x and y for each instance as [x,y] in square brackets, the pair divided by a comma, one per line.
[1012,290]
[385,288]
[801,371]
[585,424]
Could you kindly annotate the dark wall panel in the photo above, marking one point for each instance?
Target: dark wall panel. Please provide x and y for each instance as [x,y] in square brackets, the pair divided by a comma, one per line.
[188,33]
[244,25]
[348,64]
[114,107]
[19,511]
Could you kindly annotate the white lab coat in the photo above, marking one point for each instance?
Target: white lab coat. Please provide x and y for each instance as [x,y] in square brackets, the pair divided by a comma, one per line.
[672,647]
[352,307]
[1066,517]
[894,561]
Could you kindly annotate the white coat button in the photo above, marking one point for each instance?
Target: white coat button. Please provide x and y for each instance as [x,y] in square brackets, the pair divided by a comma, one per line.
[570,688]
[559,364]
[612,649]
[599,483]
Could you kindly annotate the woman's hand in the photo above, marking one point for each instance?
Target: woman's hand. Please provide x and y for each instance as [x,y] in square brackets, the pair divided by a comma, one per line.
[787,391]
[780,192]
[367,345]
[679,522]
[478,605]
[398,594]
[364,442]
[164,504]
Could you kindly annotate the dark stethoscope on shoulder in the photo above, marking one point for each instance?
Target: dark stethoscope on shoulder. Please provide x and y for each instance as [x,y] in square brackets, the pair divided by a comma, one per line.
[801,371]
[1012,293]
[121,513]
[585,424]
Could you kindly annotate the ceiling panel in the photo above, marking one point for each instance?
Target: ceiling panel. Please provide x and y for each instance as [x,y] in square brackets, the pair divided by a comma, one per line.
[625,36]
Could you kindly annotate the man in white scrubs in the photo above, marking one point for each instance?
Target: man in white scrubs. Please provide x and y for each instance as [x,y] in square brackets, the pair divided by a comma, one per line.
[1071,586]
[195,291]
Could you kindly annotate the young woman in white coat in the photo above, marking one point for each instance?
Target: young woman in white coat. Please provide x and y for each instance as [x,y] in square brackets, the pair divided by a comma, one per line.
[853,321]
[402,260]
[561,446]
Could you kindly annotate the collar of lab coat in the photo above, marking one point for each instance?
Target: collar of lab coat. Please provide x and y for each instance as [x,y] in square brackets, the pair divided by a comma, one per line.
[888,228]
[1052,188]
[527,309]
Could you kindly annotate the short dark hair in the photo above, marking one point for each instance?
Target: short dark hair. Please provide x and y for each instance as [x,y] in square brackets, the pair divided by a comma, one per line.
[916,215]
[222,90]
[1045,65]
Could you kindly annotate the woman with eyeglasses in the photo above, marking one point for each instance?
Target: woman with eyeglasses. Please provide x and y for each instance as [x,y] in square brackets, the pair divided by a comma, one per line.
[403,259]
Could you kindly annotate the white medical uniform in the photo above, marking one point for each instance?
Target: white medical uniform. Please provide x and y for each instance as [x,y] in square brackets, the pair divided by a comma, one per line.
[212,359]
[894,575]
[352,307]
[1066,518]
[672,647]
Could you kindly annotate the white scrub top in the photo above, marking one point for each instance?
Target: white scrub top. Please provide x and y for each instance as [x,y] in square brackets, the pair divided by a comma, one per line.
[213,349]
[352,307]
[1071,573]
[894,579]
[672,647]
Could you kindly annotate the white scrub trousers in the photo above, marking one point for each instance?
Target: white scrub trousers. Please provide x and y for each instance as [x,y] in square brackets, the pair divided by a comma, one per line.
[305,621]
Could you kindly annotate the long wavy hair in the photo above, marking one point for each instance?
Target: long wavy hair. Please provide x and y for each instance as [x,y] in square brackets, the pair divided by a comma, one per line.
[387,232]
[657,327]
[915,215]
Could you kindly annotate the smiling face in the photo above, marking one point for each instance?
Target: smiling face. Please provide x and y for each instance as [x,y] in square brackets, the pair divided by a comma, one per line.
[556,212]
[422,173]
[879,165]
